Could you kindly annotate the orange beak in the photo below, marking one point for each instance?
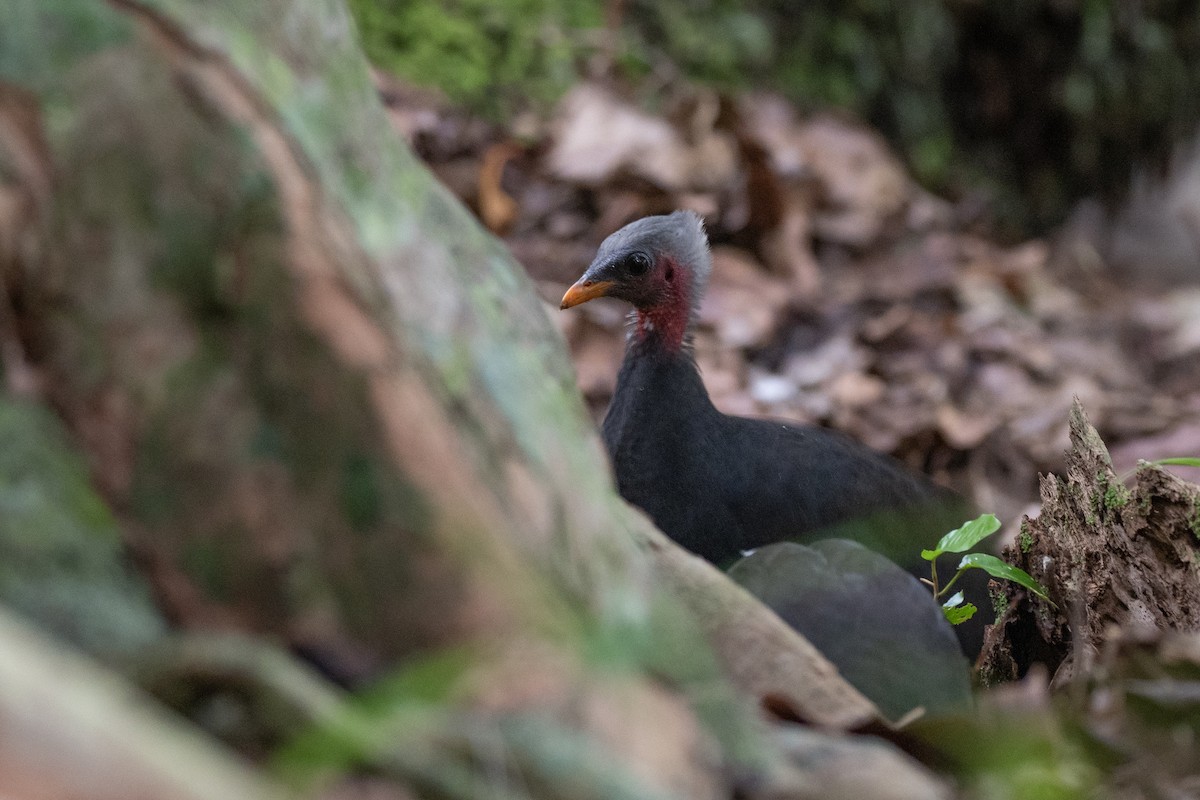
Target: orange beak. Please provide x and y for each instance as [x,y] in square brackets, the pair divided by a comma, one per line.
[585,290]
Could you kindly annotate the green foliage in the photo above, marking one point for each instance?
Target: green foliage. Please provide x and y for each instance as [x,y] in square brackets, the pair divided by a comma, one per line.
[957,611]
[963,538]
[407,704]
[410,728]
[1027,754]
[1177,462]
[715,41]
[998,569]
[494,56]
[883,61]
[1030,105]
[960,540]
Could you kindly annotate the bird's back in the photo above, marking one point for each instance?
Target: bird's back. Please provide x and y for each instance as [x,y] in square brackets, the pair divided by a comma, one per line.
[720,485]
[802,483]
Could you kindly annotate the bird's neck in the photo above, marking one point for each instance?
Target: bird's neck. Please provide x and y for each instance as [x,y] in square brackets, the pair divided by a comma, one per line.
[655,387]
[662,328]
[666,324]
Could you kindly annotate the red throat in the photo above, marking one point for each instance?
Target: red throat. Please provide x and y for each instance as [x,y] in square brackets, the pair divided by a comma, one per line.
[667,321]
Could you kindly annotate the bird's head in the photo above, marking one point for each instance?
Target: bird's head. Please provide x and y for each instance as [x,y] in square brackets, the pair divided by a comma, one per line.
[660,265]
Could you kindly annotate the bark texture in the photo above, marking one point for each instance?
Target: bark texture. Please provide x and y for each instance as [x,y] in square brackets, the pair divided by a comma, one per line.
[1111,559]
[324,406]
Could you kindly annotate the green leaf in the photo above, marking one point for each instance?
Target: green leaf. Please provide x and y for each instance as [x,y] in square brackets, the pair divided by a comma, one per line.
[964,538]
[997,568]
[956,611]
[1177,462]
[959,614]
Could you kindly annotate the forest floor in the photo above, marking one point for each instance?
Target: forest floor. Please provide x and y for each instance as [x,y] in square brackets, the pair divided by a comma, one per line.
[843,293]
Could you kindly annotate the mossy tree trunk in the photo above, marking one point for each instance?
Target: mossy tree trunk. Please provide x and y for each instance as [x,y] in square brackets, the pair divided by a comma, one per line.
[325,406]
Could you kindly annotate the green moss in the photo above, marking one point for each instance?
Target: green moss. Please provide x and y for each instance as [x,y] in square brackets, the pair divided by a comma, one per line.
[1025,538]
[1111,495]
[999,602]
[1116,496]
[494,56]
[61,559]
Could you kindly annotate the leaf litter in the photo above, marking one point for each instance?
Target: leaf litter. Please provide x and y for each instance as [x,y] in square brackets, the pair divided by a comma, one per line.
[843,293]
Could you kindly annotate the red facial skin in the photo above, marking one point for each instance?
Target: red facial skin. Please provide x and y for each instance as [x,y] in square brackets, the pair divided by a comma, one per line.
[669,313]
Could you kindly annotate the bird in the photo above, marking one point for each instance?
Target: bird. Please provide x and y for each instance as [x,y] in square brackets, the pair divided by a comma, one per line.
[723,485]
[751,495]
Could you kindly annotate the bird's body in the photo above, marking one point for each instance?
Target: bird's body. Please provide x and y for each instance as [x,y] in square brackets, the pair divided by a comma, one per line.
[721,485]
[718,484]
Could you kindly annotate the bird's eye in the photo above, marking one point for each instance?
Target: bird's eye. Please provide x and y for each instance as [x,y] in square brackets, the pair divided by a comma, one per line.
[639,264]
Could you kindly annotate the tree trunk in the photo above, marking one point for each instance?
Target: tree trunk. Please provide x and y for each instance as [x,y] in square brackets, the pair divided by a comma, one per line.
[325,406]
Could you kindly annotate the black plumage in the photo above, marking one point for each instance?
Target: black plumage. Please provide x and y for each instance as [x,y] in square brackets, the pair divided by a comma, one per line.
[718,484]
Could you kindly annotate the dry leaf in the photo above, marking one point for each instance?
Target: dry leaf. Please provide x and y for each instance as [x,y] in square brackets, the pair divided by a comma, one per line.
[496,208]
[964,430]
[598,136]
[743,303]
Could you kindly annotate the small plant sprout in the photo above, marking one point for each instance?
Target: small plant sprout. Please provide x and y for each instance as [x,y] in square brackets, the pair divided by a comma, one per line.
[1177,462]
[1183,461]
[960,540]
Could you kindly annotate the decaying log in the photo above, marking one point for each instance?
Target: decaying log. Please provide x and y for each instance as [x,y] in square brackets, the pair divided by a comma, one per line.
[1111,559]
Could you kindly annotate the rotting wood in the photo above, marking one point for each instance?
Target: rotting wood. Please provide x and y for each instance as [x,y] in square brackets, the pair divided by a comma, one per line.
[1111,558]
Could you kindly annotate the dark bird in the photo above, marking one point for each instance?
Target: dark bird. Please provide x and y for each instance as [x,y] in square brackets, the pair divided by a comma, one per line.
[721,485]
[717,484]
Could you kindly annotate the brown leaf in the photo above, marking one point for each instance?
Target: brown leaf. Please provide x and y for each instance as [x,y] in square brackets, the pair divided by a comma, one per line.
[496,208]
[787,248]
[964,430]
[598,136]
[854,389]
[864,184]
[743,303]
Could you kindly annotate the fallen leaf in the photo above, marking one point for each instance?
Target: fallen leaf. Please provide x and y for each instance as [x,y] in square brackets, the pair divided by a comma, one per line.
[854,389]
[597,136]
[963,430]
[496,208]
[864,184]
[743,303]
